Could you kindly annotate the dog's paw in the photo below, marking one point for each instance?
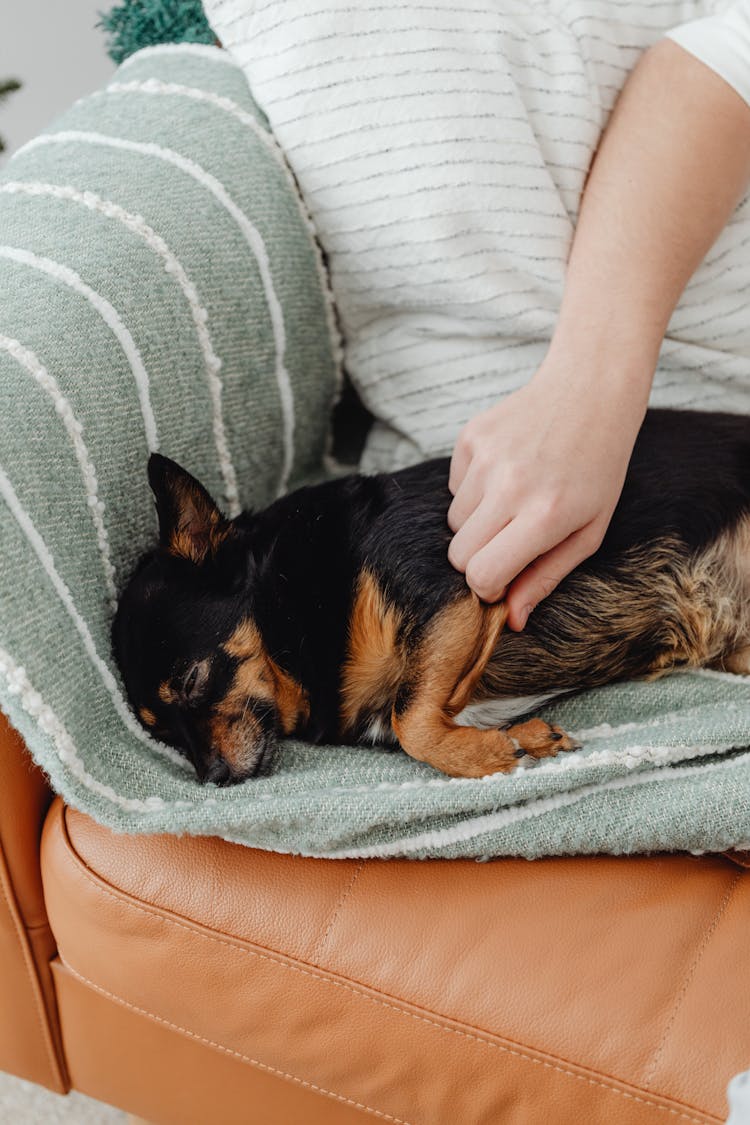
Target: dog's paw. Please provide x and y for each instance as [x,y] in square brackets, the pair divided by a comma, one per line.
[540,740]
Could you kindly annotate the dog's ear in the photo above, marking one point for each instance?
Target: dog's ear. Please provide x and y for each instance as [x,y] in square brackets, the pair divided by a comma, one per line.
[190,525]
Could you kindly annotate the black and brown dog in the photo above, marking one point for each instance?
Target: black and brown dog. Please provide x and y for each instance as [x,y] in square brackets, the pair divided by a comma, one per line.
[334,614]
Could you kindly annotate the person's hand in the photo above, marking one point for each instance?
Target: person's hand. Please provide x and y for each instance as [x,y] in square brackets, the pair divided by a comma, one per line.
[535,480]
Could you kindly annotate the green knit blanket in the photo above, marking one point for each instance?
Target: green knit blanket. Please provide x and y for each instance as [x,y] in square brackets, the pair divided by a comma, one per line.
[161,288]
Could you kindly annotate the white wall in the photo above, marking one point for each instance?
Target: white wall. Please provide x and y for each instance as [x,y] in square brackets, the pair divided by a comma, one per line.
[55,49]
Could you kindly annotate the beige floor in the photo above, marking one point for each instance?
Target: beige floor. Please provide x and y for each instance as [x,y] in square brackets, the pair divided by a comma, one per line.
[24,1104]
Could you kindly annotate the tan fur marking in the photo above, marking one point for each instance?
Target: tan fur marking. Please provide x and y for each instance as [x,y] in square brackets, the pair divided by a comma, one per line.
[292,701]
[260,677]
[467,752]
[737,662]
[448,666]
[235,741]
[148,717]
[716,601]
[375,660]
[167,694]
[251,679]
[245,640]
[200,528]
[597,628]
[481,634]
[236,733]
[196,548]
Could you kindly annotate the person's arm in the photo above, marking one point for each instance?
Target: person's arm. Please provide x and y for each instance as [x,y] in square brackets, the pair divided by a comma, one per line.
[535,479]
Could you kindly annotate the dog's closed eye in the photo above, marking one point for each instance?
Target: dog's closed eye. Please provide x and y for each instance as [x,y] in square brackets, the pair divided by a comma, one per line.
[188,687]
[195,682]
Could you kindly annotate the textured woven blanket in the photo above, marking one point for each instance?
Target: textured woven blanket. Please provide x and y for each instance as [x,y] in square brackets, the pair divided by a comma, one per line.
[160,288]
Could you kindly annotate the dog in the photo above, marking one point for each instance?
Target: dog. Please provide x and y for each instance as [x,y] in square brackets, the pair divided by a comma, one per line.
[334,615]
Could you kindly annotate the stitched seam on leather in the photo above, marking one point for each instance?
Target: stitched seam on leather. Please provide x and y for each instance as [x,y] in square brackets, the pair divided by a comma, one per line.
[689,976]
[229,1051]
[31,969]
[337,910]
[740,858]
[196,930]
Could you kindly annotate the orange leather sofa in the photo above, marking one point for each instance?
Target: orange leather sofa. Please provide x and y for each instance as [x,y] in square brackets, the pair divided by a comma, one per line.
[195,982]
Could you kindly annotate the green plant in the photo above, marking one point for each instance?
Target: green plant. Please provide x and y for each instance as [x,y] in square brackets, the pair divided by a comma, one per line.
[7,87]
[141,23]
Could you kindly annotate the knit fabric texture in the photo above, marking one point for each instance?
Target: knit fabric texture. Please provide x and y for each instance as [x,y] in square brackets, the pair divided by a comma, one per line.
[134,24]
[161,288]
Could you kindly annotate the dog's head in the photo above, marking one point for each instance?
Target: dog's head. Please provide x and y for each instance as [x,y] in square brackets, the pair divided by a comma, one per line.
[193,661]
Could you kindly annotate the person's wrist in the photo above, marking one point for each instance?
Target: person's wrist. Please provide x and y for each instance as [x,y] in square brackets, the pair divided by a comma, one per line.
[595,370]
[608,333]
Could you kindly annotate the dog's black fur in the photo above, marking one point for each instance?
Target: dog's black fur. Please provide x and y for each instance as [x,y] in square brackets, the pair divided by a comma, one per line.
[293,572]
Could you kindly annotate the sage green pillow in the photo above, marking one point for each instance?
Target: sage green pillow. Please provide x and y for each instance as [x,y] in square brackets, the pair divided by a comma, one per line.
[160,288]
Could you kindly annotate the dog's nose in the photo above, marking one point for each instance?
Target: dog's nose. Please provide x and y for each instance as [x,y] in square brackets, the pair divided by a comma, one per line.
[221,773]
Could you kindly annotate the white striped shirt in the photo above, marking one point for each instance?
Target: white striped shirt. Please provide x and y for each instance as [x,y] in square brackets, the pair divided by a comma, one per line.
[442,150]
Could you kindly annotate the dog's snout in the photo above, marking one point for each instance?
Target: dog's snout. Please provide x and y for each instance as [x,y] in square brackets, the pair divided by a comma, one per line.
[221,773]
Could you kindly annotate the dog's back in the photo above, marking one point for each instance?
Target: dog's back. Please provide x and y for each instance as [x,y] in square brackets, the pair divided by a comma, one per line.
[669,587]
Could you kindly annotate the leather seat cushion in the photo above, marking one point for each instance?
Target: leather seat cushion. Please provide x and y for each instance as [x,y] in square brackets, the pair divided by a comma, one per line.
[427,992]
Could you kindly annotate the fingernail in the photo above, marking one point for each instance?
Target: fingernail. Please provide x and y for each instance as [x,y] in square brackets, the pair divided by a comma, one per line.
[525,615]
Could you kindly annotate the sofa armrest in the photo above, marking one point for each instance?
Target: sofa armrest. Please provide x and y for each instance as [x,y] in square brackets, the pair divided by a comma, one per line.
[25,797]
[29,1030]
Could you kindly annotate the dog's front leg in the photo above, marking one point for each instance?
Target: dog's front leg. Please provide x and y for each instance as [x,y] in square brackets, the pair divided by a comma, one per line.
[445,669]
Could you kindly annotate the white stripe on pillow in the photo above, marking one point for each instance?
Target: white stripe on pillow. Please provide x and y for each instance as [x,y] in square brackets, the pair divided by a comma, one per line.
[31,364]
[109,315]
[198,312]
[253,239]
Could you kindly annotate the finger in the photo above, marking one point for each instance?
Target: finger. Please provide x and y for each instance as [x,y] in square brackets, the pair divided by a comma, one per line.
[491,570]
[466,500]
[541,576]
[482,525]
[460,461]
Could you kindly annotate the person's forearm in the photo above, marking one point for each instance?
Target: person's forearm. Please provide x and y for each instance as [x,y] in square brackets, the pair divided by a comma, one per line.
[536,477]
[672,166]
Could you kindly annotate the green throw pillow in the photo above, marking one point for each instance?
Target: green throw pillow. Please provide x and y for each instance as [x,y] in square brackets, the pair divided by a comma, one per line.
[161,288]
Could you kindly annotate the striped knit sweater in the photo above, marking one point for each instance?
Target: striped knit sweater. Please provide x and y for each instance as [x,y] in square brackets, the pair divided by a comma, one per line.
[442,151]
